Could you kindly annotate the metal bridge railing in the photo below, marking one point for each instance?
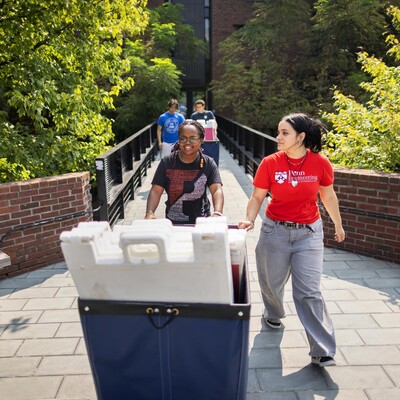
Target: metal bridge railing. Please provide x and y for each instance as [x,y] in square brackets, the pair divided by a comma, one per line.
[120,170]
[246,145]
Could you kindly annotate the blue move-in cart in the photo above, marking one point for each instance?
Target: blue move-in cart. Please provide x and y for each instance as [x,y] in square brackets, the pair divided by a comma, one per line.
[180,351]
[164,309]
[211,148]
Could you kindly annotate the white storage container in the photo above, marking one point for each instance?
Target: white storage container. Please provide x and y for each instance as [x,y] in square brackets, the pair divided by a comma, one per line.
[237,249]
[151,260]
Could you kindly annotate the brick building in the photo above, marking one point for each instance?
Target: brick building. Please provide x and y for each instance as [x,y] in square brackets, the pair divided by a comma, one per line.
[212,20]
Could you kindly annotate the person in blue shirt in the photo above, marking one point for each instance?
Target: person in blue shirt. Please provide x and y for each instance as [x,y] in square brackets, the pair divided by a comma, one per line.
[167,127]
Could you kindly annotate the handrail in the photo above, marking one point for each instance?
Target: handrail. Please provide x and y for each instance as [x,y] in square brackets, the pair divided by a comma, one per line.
[245,144]
[119,172]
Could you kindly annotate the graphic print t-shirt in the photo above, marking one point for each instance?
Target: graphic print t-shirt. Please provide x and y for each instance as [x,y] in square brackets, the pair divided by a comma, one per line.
[169,126]
[186,187]
[296,203]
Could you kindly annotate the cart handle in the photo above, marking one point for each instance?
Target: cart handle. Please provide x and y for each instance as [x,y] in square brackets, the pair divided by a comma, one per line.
[159,239]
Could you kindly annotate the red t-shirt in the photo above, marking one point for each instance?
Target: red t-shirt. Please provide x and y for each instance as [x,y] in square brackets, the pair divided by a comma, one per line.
[293,203]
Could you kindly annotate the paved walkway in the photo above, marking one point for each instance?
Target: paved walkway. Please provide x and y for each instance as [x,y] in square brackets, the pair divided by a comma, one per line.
[43,355]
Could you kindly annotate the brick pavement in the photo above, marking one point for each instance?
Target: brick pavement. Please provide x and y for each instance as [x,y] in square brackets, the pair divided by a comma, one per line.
[43,355]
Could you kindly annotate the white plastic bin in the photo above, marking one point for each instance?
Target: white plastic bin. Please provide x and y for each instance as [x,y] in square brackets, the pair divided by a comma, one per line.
[237,247]
[151,260]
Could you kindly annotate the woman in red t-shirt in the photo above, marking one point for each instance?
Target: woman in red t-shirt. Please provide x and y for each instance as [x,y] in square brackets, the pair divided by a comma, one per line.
[291,236]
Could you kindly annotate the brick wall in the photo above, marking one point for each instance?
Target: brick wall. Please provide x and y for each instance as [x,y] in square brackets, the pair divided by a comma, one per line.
[370,209]
[226,17]
[33,201]
[369,201]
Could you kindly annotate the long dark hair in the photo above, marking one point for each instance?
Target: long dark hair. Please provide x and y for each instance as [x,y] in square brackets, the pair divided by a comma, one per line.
[313,129]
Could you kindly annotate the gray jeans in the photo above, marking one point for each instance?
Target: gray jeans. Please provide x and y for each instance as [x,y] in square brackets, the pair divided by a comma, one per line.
[282,252]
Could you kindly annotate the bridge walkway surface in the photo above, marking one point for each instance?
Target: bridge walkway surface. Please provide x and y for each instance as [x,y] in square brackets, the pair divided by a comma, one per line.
[43,354]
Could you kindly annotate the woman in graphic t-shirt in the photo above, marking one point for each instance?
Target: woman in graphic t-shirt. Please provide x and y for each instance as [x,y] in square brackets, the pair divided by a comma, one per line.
[185,175]
[291,237]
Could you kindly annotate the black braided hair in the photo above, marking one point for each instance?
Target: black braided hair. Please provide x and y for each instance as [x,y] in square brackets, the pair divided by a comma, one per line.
[200,131]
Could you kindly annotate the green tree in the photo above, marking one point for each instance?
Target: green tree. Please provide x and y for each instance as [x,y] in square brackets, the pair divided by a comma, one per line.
[156,73]
[340,29]
[60,67]
[368,135]
[291,53]
[265,63]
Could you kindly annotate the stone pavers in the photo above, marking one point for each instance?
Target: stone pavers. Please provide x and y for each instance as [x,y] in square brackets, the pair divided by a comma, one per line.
[43,355]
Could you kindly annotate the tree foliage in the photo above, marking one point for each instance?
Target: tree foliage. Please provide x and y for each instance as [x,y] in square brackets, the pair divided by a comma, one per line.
[264,63]
[156,74]
[340,29]
[368,135]
[60,67]
[291,54]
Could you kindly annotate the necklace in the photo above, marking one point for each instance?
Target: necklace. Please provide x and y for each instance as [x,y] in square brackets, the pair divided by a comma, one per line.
[299,163]
[294,181]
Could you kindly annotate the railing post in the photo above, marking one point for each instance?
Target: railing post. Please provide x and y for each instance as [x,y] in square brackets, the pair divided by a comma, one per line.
[102,187]
[118,166]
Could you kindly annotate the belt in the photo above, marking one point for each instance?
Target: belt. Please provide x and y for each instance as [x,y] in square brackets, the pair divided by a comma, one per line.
[294,225]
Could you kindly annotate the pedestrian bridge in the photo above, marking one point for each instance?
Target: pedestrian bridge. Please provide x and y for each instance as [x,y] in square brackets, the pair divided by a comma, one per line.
[43,355]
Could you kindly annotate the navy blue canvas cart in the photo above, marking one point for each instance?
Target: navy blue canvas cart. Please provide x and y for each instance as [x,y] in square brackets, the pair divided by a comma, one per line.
[211,148]
[142,351]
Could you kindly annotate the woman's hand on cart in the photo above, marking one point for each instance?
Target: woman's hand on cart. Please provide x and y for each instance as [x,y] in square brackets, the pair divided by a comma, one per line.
[247,224]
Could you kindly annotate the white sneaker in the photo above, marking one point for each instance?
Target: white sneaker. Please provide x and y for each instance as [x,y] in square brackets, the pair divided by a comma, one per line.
[324,361]
[273,324]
